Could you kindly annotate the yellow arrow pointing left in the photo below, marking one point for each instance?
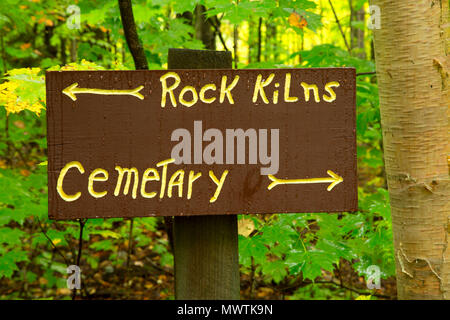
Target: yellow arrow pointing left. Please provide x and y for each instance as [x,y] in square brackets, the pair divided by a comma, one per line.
[73,89]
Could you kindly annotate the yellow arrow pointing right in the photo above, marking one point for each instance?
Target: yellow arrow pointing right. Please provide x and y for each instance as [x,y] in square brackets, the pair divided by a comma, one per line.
[334,179]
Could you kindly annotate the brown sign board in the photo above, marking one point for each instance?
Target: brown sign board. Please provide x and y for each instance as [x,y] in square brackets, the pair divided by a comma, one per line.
[200,142]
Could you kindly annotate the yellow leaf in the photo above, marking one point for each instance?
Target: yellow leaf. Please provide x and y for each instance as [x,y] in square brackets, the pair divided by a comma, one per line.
[245,227]
[148,285]
[25,172]
[19,124]
[3,164]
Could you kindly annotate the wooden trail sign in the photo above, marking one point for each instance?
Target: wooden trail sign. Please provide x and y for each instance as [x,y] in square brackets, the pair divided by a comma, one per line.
[195,142]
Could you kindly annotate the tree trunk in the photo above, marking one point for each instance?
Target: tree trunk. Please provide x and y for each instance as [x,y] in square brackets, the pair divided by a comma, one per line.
[270,43]
[235,45]
[203,28]
[52,51]
[73,50]
[251,43]
[413,84]
[357,34]
[63,51]
[258,57]
[131,35]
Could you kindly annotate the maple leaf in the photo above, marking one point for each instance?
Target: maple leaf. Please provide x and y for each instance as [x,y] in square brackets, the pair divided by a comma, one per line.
[296,20]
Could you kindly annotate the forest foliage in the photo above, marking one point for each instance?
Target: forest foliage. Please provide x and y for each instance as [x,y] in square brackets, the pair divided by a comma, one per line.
[292,256]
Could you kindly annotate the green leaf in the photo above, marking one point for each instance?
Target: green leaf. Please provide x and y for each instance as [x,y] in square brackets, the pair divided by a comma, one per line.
[9,260]
[102,245]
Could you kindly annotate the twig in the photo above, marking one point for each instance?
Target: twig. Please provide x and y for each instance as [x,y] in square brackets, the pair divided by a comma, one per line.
[8,142]
[24,285]
[343,286]
[53,245]
[130,243]
[235,45]
[340,27]
[219,33]
[235,41]
[21,156]
[258,57]
[168,227]
[366,73]
[82,222]
[252,278]
[155,266]
[2,43]
[299,283]
[360,292]
[350,4]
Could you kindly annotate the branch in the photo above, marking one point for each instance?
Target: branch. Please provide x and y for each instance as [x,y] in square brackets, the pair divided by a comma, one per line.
[340,27]
[129,28]
[130,243]
[51,242]
[366,73]
[235,45]
[301,283]
[259,40]
[216,27]
[360,292]
[82,222]
[2,52]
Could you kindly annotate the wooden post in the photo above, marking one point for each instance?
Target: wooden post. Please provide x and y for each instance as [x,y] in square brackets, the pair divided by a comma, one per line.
[205,247]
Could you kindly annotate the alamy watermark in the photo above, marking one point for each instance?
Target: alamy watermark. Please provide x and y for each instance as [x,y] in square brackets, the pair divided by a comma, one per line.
[74,20]
[374,279]
[74,280]
[233,142]
[375,17]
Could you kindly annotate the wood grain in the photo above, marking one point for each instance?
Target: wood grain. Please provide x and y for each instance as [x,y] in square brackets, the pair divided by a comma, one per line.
[205,247]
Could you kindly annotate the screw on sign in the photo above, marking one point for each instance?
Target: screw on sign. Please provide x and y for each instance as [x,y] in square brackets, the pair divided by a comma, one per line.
[196,142]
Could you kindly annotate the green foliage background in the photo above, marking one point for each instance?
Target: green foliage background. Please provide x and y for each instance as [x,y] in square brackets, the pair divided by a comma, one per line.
[306,252]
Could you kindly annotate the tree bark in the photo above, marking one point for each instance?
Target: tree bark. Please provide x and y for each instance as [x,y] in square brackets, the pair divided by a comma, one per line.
[73,50]
[203,28]
[258,56]
[412,69]
[250,40]
[52,51]
[129,28]
[235,45]
[63,50]
[357,34]
[270,44]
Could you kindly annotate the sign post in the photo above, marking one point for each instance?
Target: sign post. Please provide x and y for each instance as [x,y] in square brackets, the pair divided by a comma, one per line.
[202,145]
[205,247]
